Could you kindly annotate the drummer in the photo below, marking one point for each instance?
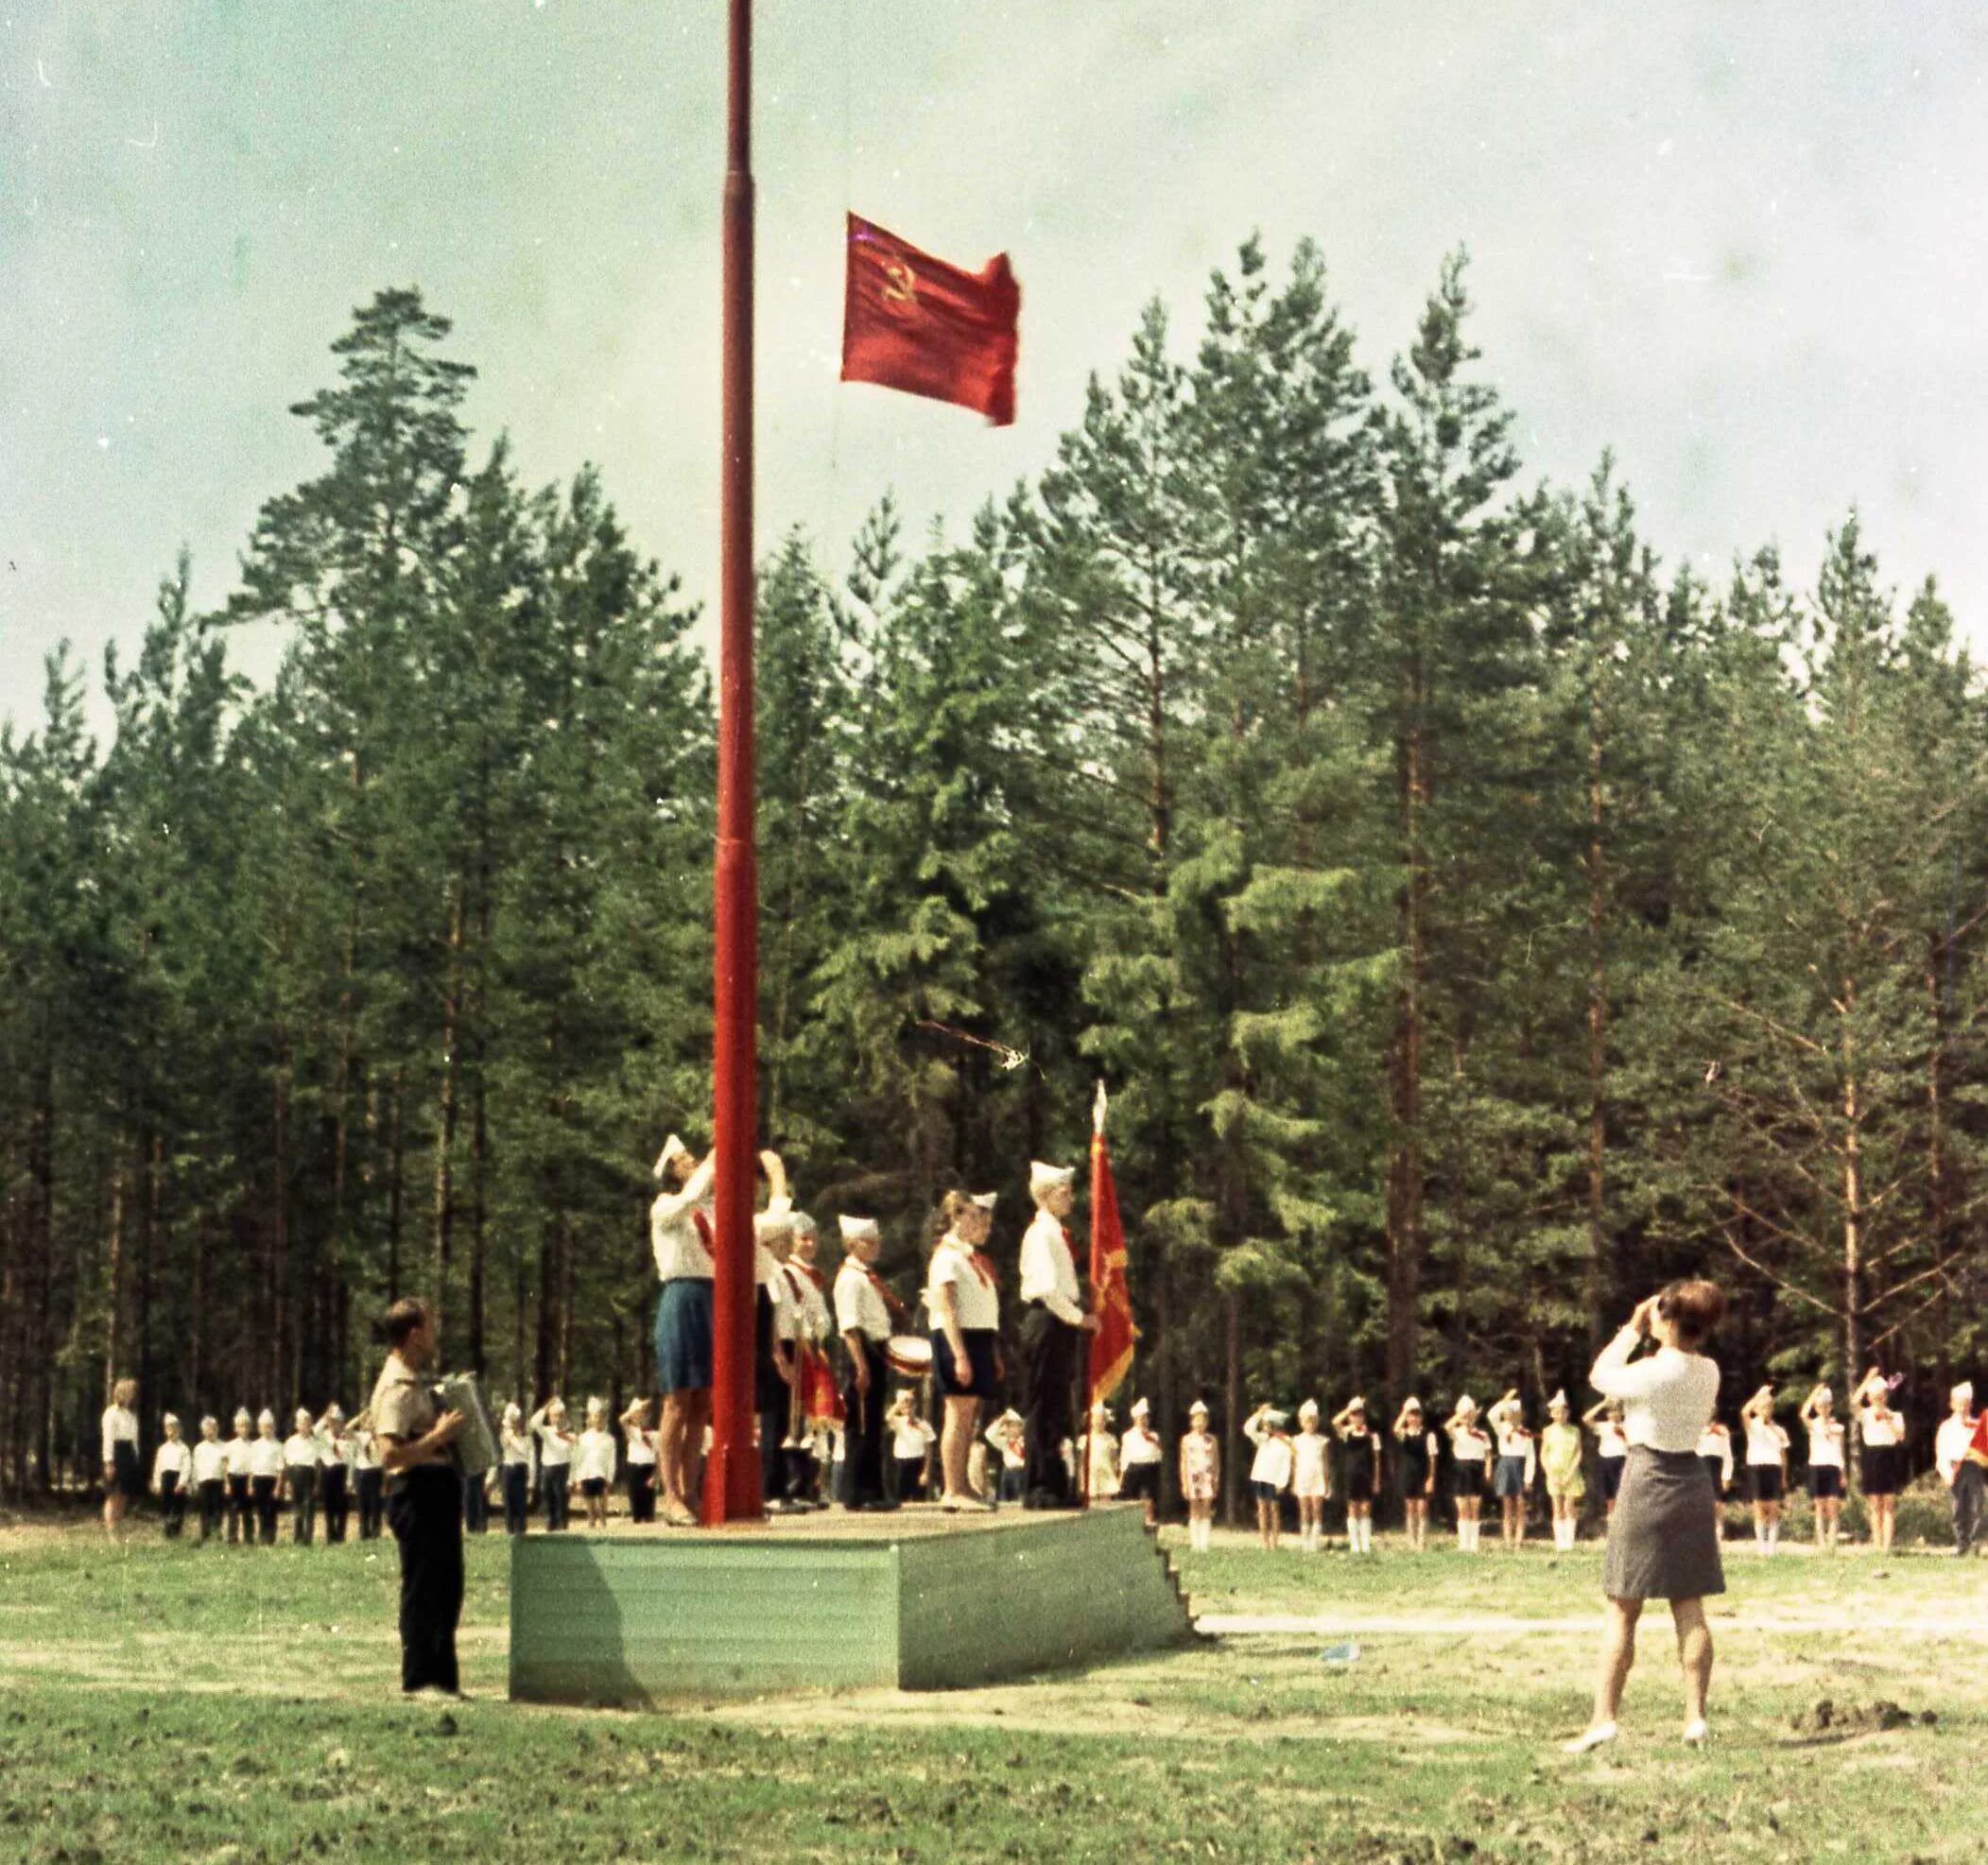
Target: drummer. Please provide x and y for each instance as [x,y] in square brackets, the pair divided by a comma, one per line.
[966,1341]
[863,1320]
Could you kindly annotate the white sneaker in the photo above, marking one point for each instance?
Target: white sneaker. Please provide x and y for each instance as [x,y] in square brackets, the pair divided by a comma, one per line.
[1590,1738]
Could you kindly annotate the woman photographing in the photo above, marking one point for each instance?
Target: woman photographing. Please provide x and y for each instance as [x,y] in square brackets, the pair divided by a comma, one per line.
[1663,1538]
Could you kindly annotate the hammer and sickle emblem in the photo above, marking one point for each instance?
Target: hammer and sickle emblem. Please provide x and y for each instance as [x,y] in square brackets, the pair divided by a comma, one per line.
[900,286]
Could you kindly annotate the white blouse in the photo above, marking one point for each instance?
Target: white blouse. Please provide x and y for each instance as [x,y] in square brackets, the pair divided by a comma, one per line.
[120,1428]
[1272,1462]
[973,1293]
[515,1446]
[1666,1399]
[1765,1443]
[641,1447]
[909,1437]
[859,1309]
[1881,1430]
[209,1460]
[171,1456]
[264,1458]
[1049,1271]
[555,1446]
[593,1457]
[1140,1445]
[1718,1443]
[1826,1443]
[673,1234]
[241,1456]
[300,1451]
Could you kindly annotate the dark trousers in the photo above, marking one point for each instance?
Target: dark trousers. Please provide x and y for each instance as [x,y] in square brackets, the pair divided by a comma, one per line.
[1013,1484]
[863,1438]
[372,1484]
[772,1464]
[475,1504]
[1965,1501]
[517,1496]
[214,1496]
[172,1501]
[1049,1367]
[304,1501]
[241,1520]
[266,1505]
[337,1501]
[553,1479]
[642,1492]
[910,1479]
[803,1479]
[425,1514]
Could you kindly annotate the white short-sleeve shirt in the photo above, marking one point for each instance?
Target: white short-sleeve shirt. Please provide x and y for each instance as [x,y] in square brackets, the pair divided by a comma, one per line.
[954,1266]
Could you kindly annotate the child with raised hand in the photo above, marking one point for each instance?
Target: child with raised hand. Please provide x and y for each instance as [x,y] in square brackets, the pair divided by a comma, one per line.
[1470,1470]
[1766,1467]
[1271,1472]
[1359,1445]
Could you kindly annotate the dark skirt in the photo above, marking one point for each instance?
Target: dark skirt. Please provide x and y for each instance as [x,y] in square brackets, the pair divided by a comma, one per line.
[592,1486]
[684,1336]
[1139,1482]
[1466,1481]
[1663,1539]
[1509,1479]
[1411,1470]
[977,1379]
[1825,1482]
[1763,1482]
[1880,1466]
[1611,1477]
[126,1477]
[1357,1469]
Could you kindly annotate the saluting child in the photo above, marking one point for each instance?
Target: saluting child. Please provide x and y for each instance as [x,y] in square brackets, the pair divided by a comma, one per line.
[1311,1476]
[1201,1475]
[1604,1419]
[1270,1470]
[641,1457]
[210,1476]
[266,1475]
[241,1504]
[1007,1436]
[1415,1457]
[300,1454]
[911,1439]
[172,1476]
[1515,1464]
[594,1464]
[548,1425]
[1766,1468]
[1470,1452]
[1825,1463]
[515,1452]
[1360,1446]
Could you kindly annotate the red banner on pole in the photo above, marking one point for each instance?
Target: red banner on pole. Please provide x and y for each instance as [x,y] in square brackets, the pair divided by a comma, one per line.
[912,322]
[1112,1345]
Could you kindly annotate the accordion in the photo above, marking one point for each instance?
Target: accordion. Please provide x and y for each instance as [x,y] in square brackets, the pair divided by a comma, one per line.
[475,1450]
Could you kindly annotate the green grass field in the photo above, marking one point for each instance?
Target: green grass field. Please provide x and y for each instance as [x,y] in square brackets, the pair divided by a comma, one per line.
[173,1703]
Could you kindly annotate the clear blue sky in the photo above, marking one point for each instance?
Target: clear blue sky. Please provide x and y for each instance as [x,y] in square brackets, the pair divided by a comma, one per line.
[1744,246]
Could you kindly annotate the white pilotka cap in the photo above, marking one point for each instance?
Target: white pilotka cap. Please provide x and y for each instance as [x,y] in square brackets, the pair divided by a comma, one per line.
[1961,1394]
[1309,1410]
[1047,1177]
[1141,1409]
[170,1421]
[1466,1404]
[266,1417]
[772,1223]
[671,1148]
[1558,1402]
[985,1200]
[859,1230]
[241,1415]
[1199,1408]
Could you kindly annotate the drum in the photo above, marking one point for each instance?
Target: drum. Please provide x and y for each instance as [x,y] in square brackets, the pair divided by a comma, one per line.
[475,1450]
[910,1354]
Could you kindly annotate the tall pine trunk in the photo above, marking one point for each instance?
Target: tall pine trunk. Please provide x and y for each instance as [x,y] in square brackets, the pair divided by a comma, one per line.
[1405,1060]
[445,1123]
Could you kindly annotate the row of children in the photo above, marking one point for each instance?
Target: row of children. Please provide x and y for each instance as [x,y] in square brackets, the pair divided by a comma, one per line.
[1497,1454]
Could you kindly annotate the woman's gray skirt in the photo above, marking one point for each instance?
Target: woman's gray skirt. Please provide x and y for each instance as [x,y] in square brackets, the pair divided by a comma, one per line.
[1663,1539]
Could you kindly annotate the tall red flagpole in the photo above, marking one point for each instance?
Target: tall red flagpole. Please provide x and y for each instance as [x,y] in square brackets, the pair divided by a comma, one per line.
[731,1476]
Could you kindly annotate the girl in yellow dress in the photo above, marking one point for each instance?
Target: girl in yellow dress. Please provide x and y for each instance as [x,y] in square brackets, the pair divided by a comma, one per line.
[1559,1460]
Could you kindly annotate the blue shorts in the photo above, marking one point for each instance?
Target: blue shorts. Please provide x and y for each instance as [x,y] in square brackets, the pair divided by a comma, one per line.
[684,1336]
[1265,1491]
[979,1373]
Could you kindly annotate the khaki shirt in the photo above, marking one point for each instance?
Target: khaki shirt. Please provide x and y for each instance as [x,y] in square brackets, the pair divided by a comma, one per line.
[402,1406]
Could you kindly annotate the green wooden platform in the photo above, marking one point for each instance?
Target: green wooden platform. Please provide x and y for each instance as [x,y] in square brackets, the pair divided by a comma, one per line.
[916,1601]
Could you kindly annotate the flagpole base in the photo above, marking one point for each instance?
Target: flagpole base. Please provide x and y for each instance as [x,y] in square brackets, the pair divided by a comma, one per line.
[732,1485]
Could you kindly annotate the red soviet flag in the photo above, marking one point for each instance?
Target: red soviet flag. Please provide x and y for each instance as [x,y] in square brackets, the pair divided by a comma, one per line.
[913,323]
[1112,1345]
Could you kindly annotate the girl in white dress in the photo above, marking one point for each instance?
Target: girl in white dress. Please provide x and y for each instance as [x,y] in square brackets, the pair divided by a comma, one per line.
[1200,1476]
[1310,1476]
